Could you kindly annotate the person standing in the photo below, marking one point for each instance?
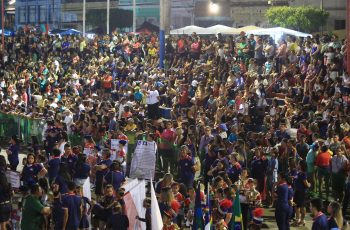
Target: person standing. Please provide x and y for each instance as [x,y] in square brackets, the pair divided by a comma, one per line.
[320,221]
[301,185]
[33,210]
[166,148]
[186,166]
[339,164]
[282,207]
[323,161]
[32,171]
[72,203]
[5,200]
[101,170]
[259,168]
[118,220]
[152,103]
[69,158]
[12,153]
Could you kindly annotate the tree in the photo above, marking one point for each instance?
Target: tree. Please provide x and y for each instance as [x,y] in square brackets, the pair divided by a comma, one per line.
[118,18]
[306,19]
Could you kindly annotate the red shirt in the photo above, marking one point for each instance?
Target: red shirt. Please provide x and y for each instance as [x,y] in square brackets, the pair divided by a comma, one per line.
[323,159]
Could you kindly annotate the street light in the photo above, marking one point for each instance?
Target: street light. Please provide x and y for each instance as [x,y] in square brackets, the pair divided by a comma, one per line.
[214,8]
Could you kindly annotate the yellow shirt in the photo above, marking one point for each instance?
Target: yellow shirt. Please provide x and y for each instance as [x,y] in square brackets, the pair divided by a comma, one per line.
[130,127]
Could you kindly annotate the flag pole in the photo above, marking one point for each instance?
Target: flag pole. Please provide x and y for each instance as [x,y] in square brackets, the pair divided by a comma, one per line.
[3,24]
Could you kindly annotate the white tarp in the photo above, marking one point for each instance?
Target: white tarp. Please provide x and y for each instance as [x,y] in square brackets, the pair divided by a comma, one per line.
[188,30]
[278,31]
[220,29]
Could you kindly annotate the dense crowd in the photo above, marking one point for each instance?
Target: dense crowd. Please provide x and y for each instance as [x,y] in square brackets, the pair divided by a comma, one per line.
[245,116]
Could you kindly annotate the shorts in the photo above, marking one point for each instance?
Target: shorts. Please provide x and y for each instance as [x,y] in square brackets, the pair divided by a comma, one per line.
[299,198]
[323,172]
[5,212]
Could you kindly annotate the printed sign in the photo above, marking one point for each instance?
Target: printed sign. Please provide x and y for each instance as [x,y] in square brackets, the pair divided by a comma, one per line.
[144,160]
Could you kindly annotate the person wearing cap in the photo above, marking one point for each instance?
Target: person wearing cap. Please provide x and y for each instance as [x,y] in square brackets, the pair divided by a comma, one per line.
[12,153]
[130,126]
[223,131]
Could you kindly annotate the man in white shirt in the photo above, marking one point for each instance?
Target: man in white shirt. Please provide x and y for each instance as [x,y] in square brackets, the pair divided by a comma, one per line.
[68,120]
[152,103]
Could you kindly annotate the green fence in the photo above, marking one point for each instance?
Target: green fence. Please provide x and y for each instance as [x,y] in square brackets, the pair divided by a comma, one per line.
[23,127]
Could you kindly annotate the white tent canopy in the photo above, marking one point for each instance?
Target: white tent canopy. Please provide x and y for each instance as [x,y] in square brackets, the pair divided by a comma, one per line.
[220,29]
[188,30]
[278,32]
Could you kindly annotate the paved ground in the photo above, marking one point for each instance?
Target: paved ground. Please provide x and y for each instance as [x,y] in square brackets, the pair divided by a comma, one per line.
[270,222]
[269,213]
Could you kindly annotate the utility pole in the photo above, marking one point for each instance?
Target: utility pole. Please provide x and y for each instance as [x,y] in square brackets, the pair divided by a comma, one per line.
[165,8]
[108,17]
[348,35]
[134,16]
[84,16]
[3,24]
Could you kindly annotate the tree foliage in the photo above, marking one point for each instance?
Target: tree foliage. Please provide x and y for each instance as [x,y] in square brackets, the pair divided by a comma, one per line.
[118,18]
[306,19]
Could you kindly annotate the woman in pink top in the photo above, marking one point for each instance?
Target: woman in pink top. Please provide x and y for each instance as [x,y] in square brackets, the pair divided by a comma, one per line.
[166,148]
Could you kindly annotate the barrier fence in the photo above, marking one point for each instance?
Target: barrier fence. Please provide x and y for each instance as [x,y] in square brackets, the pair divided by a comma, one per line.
[26,127]
[22,126]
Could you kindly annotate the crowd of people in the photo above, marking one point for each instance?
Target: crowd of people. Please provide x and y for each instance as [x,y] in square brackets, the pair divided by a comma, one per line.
[266,121]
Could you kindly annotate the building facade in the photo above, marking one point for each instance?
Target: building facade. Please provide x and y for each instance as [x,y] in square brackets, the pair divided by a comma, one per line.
[236,13]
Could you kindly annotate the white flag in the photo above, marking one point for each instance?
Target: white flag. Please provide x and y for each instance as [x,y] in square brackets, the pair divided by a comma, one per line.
[157,222]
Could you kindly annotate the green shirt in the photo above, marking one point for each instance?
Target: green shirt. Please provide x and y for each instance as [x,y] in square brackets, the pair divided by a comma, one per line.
[32,219]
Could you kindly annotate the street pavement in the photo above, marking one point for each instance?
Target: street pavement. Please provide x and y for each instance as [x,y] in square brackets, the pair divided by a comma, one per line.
[269,213]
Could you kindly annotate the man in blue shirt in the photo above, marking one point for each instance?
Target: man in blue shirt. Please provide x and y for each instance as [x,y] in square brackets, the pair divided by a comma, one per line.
[282,207]
[54,165]
[320,219]
[72,203]
[69,157]
[186,164]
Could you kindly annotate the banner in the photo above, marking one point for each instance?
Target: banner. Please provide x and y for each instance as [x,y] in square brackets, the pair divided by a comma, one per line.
[144,160]
[13,178]
[134,204]
[157,221]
